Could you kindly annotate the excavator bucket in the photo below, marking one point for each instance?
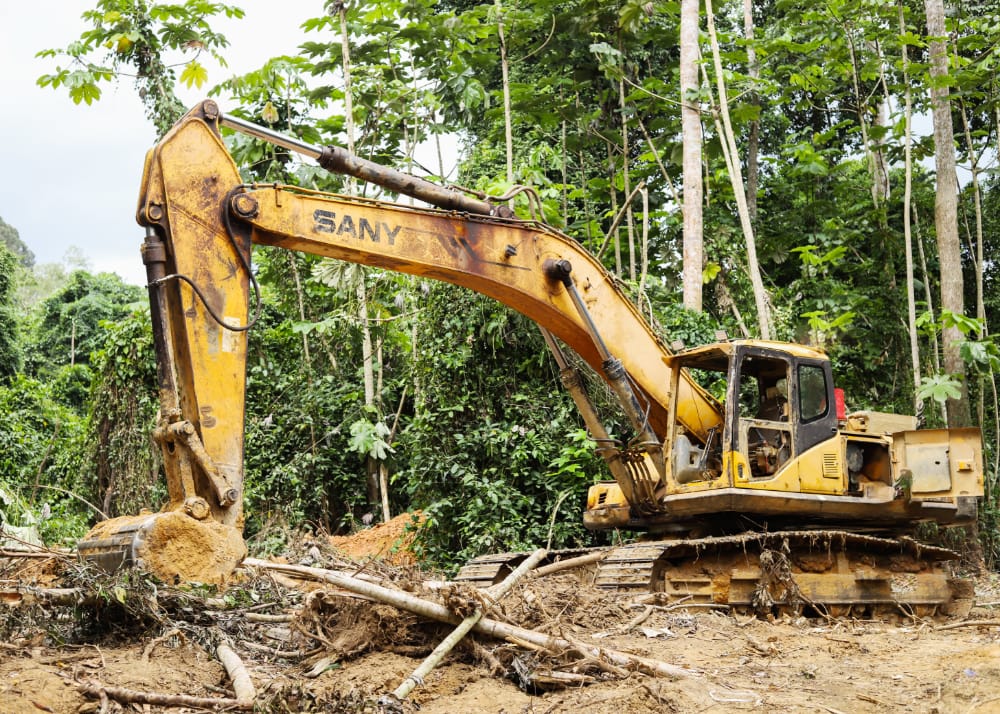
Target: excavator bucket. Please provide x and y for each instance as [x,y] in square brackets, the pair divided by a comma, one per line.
[171,545]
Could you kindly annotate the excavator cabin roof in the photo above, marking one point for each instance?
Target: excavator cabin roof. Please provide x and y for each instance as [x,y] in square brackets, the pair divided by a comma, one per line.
[716,355]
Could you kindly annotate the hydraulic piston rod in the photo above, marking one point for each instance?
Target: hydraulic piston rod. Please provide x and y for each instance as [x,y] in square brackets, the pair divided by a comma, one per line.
[613,369]
[338,160]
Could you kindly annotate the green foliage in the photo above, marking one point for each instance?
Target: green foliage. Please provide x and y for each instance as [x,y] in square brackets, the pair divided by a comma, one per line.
[41,447]
[10,238]
[136,37]
[69,325]
[487,443]
[940,388]
[71,386]
[369,439]
[676,323]
[122,457]
[493,445]
[10,347]
[298,466]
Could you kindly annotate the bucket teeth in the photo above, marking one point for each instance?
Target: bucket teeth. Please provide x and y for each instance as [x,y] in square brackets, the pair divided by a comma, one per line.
[113,551]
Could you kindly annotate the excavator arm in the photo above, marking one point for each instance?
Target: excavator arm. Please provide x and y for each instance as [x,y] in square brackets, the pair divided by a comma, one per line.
[202,220]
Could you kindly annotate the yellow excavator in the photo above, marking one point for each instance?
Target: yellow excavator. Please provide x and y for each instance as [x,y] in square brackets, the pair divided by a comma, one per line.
[753,485]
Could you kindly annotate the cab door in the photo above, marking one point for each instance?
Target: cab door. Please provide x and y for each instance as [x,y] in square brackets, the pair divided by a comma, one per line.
[812,403]
[764,426]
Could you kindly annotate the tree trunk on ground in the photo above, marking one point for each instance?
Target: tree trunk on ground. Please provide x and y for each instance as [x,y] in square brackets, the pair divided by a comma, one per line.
[691,131]
[946,207]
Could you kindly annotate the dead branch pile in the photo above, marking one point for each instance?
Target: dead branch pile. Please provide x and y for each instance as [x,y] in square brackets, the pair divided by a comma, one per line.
[271,619]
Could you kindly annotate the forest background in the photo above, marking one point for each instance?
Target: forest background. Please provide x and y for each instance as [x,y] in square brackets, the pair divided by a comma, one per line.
[805,208]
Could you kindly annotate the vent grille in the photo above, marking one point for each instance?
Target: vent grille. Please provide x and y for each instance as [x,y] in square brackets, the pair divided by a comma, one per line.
[831,465]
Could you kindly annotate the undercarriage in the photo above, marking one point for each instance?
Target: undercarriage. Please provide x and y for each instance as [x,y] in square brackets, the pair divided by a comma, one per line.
[819,573]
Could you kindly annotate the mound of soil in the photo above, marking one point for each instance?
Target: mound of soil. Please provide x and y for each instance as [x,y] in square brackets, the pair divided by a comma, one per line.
[390,542]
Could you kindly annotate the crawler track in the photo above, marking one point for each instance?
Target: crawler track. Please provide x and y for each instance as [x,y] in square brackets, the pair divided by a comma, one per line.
[835,573]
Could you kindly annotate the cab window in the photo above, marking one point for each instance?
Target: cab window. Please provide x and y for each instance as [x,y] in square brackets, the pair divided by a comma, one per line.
[812,392]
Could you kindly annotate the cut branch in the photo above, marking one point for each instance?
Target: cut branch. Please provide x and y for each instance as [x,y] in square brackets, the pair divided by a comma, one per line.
[435,657]
[238,675]
[131,696]
[486,626]
[569,563]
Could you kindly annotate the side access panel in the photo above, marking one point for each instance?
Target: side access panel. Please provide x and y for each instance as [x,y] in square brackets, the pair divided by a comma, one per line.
[940,463]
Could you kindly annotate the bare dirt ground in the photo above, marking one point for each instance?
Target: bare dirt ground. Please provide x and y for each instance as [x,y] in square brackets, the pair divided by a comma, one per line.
[311,648]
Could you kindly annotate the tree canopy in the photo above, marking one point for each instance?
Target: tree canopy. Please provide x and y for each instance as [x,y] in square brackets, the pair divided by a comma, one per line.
[813,177]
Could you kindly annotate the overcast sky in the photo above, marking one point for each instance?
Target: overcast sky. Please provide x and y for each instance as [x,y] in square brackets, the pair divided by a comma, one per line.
[69,174]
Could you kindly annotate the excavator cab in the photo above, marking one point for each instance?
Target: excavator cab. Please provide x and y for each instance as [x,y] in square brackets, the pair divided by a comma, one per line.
[765,432]
[786,406]
[777,404]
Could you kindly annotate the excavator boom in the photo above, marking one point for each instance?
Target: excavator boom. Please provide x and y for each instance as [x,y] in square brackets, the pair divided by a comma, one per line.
[202,221]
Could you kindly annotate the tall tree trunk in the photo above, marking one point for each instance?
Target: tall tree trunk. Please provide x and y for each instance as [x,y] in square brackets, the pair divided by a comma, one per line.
[977,251]
[582,164]
[614,210]
[736,178]
[929,297]
[645,239]
[691,160]
[300,299]
[626,178]
[753,140]
[946,207]
[879,189]
[508,131]
[911,301]
[564,160]
[345,49]
[977,200]
[659,162]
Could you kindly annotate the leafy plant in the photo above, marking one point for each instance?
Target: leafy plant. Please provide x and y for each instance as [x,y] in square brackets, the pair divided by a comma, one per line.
[940,388]
[138,35]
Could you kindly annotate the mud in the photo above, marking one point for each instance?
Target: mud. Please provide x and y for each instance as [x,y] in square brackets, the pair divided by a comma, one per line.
[41,679]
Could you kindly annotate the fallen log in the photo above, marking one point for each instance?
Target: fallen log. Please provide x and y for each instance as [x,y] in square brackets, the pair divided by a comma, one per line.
[969,623]
[7,553]
[238,675]
[486,626]
[131,696]
[435,657]
[82,597]
[263,617]
[30,595]
[569,563]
